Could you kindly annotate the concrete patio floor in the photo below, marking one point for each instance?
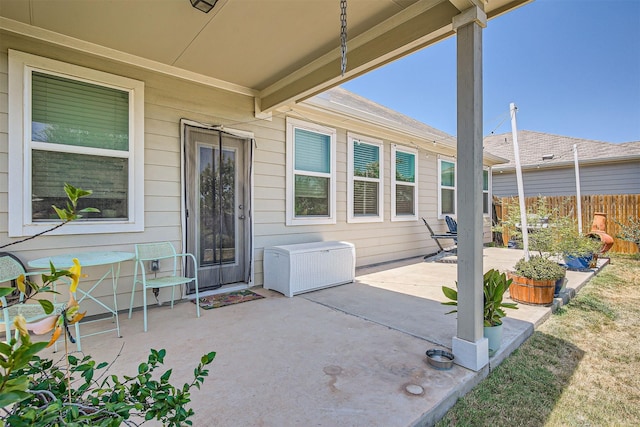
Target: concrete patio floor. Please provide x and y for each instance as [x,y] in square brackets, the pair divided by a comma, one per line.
[341,356]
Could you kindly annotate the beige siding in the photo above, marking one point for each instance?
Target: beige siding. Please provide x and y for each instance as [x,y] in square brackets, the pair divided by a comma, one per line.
[375,242]
[167,101]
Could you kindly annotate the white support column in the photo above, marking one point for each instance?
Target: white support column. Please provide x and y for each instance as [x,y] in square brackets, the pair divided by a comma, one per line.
[469,346]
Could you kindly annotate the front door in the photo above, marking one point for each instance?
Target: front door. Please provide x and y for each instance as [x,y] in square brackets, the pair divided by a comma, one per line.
[217,206]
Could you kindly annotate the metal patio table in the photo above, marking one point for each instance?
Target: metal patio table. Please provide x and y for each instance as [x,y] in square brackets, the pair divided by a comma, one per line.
[111,259]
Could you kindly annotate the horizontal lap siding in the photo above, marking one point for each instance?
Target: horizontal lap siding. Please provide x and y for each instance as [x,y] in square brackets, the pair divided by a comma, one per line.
[375,242]
[167,100]
[613,178]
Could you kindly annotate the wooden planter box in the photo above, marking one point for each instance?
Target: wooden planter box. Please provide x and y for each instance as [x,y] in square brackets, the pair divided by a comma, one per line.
[529,291]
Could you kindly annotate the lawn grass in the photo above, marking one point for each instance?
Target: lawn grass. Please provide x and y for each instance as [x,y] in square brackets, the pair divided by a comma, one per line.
[580,368]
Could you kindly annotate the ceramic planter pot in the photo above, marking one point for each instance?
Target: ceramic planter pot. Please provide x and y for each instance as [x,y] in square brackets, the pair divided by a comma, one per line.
[578,263]
[494,335]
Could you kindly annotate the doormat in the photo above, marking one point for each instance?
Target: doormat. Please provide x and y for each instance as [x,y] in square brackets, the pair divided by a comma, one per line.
[220,300]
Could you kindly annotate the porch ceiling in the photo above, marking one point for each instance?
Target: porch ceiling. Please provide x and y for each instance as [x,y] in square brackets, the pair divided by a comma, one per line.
[277,50]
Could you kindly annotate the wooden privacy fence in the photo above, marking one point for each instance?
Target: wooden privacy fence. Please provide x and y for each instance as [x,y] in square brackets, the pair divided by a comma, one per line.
[616,207]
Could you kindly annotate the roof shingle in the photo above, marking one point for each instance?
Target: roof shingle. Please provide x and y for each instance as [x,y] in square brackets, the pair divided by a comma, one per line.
[556,149]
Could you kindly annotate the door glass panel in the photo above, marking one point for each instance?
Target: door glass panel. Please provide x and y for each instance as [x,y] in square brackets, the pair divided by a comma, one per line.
[217,206]
[217,236]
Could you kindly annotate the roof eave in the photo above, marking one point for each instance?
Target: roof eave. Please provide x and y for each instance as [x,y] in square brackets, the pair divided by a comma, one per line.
[359,121]
[556,165]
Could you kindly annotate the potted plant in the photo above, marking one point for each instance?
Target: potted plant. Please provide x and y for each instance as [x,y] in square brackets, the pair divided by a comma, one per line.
[495,284]
[578,250]
[535,281]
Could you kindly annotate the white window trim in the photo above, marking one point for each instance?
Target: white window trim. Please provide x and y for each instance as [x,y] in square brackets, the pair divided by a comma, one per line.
[351,138]
[291,219]
[394,216]
[488,191]
[19,181]
[454,188]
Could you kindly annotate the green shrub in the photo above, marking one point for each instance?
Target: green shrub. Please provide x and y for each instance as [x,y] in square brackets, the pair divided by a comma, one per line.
[539,268]
[78,394]
[631,231]
[37,392]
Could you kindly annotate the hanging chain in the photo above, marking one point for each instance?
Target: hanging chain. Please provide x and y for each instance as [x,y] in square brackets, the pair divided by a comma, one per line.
[343,36]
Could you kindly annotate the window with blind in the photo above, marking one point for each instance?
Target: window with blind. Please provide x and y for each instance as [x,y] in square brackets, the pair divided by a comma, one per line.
[78,127]
[310,173]
[81,128]
[447,187]
[404,184]
[365,173]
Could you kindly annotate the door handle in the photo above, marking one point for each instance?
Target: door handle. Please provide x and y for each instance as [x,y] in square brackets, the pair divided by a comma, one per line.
[241,216]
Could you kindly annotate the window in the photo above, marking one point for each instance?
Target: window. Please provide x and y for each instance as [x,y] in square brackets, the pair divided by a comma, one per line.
[311,183]
[365,188]
[447,188]
[486,194]
[404,184]
[79,126]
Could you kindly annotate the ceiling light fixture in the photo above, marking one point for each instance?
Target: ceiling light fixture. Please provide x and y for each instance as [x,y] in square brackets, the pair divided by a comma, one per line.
[203,5]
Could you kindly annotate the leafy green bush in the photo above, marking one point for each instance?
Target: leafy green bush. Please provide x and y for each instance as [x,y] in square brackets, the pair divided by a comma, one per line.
[540,217]
[71,396]
[38,392]
[571,243]
[631,231]
[551,232]
[539,268]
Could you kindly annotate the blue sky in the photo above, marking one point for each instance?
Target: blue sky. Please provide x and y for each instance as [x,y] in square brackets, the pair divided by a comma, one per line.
[572,67]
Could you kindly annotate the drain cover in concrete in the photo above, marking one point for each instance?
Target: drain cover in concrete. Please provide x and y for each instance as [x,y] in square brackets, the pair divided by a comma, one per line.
[414,389]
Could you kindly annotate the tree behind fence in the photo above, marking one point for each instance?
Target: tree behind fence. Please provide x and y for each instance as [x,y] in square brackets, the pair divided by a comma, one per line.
[617,207]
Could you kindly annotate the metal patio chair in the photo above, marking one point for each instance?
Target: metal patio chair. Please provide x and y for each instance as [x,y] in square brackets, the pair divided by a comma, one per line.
[11,269]
[148,252]
[438,236]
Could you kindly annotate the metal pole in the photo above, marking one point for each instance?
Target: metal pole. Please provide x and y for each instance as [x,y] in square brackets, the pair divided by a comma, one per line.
[578,196]
[516,155]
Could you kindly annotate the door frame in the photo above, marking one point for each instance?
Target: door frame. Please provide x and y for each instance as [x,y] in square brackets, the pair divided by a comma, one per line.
[249,136]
